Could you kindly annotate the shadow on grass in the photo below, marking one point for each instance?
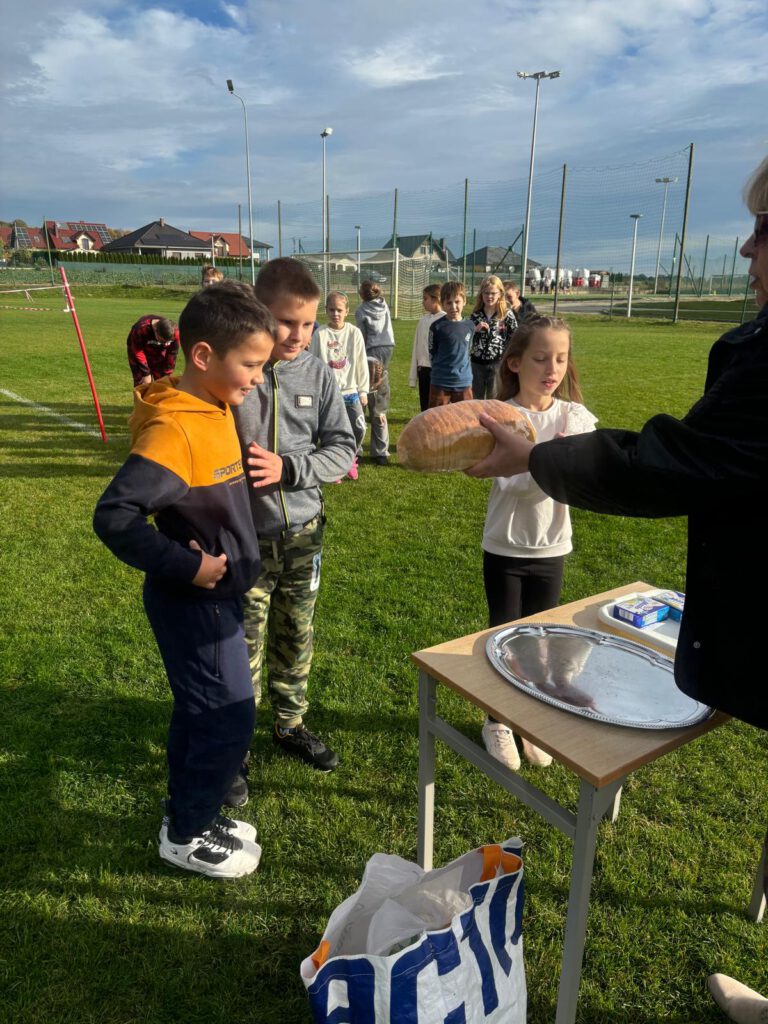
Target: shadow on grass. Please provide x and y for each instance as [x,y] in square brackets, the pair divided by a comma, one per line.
[85,969]
[32,436]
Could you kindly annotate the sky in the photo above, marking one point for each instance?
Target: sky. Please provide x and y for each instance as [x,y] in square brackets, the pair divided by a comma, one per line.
[120,113]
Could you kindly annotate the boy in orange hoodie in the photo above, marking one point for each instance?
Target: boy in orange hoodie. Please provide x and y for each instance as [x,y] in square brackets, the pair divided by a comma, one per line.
[201,556]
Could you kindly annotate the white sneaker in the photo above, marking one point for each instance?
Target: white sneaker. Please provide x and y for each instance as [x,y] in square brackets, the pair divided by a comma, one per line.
[241,829]
[216,853]
[741,1004]
[535,755]
[499,741]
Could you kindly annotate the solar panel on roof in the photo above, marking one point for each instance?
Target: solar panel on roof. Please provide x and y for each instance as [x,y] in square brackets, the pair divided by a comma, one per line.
[23,240]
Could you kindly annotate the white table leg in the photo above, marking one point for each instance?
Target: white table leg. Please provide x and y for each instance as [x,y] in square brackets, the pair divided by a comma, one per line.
[760,892]
[593,804]
[427,711]
[615,806]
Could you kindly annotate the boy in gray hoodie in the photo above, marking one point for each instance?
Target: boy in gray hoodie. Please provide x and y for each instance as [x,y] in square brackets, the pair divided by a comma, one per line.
[372,317]
[295,436]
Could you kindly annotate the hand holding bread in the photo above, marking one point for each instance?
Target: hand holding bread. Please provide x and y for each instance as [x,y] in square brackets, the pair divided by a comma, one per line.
[450,438]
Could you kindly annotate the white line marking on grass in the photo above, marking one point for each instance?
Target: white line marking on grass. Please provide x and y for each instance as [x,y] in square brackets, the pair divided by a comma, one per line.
[51,412]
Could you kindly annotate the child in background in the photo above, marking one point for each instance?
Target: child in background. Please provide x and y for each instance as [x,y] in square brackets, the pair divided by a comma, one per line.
[527,534]
[153,345]
[494,324]
[522,308]
[373,319]
[421,366]
[450,338]
[185,470]
[341,346]
[210,275]
[295,436]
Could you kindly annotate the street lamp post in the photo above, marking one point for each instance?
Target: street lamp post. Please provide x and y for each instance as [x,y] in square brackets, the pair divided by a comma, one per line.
[231,88]
[324,135]
[666,182]
[538,75]
[635,217]
[357,229]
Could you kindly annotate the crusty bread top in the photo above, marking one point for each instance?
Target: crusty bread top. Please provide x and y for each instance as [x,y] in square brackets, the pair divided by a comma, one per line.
[449,437]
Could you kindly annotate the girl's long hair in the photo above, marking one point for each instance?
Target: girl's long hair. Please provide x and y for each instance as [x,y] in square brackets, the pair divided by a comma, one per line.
[501,305]
[508,382]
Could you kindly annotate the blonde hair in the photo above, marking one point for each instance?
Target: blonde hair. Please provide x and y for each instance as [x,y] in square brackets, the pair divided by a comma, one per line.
[501,305]
[508,382]
[336,295]
[756,190]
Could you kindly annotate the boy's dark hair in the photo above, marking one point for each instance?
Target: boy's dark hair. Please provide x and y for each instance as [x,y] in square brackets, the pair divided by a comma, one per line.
[450,290]
[285,276]
[432,290]
[512,284]
[223,314]
[164,329]
[369,290]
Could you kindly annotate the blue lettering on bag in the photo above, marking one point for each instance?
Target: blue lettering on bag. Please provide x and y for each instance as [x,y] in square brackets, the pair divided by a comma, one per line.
[457,1016]
[360,980]
[484,966]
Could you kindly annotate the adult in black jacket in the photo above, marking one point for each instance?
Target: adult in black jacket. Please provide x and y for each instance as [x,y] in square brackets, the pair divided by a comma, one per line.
[711,466]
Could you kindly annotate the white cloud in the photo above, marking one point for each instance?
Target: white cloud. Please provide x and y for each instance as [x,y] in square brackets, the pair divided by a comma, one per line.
[399,63]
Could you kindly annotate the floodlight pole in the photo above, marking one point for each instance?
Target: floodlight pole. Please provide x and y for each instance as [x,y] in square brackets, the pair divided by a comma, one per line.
[666,182]
[231,88]
[538,75]
[357,229]
[635,217]
[324,135]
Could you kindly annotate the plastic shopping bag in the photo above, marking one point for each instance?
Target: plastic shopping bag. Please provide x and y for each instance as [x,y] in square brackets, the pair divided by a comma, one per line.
[416,947]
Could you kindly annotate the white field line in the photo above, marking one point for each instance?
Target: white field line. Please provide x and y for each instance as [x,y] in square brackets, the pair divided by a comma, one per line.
[51,412]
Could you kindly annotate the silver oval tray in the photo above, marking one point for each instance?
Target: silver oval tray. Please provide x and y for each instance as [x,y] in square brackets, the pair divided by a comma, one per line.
[602,677]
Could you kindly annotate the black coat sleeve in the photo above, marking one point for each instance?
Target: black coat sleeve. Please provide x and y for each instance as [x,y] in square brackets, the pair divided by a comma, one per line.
[716,455]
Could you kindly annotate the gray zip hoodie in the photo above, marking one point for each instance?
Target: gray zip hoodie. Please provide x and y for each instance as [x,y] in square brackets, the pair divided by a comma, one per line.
[299,413]
[372,317]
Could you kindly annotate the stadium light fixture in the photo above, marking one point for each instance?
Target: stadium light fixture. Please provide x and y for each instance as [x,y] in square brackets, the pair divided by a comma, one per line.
[666,182]
[231,88]
[538,75]
[635,218]
[324,135]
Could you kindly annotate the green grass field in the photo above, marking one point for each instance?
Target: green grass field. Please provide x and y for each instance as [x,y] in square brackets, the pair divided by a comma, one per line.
[96,931]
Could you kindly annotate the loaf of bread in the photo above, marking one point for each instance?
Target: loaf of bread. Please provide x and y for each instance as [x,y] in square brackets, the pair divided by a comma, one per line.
[449,437]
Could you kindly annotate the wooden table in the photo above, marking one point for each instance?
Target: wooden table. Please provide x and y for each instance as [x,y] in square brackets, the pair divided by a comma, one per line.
[601,755]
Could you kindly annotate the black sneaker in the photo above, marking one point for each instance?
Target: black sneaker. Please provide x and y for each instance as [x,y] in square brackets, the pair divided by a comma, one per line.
[300,742]
[380,460]
[238,793]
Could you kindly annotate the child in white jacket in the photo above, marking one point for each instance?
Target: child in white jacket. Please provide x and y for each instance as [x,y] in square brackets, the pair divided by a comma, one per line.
[342,347]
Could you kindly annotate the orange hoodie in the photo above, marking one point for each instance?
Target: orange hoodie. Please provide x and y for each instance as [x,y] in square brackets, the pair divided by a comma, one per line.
[185,469]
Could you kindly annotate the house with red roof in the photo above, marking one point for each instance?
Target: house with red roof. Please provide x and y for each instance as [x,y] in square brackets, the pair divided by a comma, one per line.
[223,243]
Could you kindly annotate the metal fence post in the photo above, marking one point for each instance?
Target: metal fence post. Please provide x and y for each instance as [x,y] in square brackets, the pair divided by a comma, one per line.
[240,240]
[704,268]
[464,243]
[733,265]
[279,229]
[744,303]
[559,242]
[474,260]
[676,315]
[394,223]
[396,285]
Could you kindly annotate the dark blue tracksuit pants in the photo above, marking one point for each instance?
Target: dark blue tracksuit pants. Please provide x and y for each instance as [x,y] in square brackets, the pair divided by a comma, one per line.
[203,649]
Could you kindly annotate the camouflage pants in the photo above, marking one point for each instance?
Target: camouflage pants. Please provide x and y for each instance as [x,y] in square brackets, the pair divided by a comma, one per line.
[279,611]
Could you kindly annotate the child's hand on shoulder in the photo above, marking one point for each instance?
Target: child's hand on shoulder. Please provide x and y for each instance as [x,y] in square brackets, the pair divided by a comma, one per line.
[212,568]
[265,467]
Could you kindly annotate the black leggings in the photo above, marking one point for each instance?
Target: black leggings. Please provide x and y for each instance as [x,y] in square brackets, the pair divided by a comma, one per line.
[516,587]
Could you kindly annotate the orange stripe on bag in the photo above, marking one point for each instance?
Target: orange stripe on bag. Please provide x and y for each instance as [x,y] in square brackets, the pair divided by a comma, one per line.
[494,858]
[321,954]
